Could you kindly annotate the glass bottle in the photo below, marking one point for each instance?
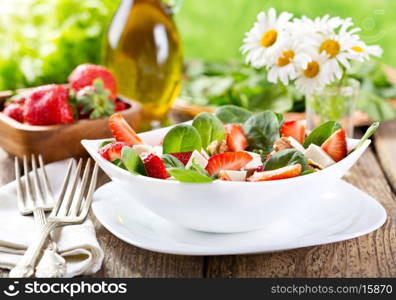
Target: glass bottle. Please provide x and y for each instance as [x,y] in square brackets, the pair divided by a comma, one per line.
[143,50]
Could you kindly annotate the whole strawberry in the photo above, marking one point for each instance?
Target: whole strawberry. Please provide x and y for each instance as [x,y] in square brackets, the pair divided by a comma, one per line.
[48,105]
[15,111]
[85,74]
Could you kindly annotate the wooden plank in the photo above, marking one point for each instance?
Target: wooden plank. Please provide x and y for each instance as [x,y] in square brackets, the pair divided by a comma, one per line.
[385,146]
[372,255]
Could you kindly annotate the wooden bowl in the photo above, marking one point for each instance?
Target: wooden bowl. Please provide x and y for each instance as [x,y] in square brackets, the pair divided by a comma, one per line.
[56,142]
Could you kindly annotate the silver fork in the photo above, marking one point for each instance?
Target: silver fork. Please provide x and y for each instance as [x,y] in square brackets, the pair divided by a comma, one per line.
[71,208]
[36,200]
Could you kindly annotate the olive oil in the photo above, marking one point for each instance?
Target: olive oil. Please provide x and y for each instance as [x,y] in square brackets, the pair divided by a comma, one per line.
[143,50]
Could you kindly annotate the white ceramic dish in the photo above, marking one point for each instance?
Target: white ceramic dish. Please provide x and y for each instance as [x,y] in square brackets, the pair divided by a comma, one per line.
[222,207]
[342,214]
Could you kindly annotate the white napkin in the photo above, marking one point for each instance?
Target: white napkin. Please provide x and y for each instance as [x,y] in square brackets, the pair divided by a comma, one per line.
[76,243]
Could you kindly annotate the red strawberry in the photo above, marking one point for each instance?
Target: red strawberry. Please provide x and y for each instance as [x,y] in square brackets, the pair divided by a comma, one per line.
[122,132]
[14,111]
[85,74]
[184,157]
[336,145]
[227,161]
[112,151]
[281,173]
[236,139]
[48,105]
[295,129]
[155,167]
[120,106]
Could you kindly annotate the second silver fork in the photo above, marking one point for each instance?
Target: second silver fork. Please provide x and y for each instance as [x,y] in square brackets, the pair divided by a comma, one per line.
[36,199]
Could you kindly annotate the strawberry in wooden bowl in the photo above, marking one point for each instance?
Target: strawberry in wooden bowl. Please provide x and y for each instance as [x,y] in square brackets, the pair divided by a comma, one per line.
[227,172]
[52,119]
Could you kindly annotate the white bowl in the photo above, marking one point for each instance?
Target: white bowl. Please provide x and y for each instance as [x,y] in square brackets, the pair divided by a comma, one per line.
[220,206]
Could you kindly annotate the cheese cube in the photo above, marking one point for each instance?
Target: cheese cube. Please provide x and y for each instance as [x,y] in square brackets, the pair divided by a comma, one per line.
[295,144]
[235,175]
[255,162]
[199,159]
[318,156]
[140,149]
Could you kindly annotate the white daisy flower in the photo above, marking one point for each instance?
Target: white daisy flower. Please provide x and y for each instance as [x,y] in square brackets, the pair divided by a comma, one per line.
[363,51]
[323,24]
[291,56]
[337,45]
[315,76]
[266,35]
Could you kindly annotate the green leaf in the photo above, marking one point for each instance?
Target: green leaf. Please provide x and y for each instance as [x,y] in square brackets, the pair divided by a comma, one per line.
[196,167]
[262,131]
[182,138]
[275,98]
[285,158]
[321,133]
[209,128]
[104,143]
[369,132]
[306,172]
[118,163]
[189,176]
[171,162]
[375,107]
[231,114]
[132,161]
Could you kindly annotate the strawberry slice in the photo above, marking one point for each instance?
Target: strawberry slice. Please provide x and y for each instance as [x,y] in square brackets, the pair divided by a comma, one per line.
[295,129]
[336,145]
[236,138]
[155,167]
[227,161]
[281,173]
[184,157]
[112,151]
[122,132]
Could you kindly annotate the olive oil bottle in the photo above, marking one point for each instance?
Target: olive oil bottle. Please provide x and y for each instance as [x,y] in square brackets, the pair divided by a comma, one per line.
[143,50]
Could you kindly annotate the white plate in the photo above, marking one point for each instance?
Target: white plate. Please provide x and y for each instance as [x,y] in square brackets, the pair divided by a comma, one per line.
[344,214]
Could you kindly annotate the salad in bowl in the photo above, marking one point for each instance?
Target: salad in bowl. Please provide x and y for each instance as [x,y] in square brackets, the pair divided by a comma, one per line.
[231,171]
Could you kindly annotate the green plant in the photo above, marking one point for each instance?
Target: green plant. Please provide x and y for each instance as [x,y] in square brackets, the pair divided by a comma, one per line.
[182,138]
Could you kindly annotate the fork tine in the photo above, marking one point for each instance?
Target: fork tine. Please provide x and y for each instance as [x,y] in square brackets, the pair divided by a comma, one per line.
[63,210]
[47,187]
[88,199]
[37,185]
[21,203]
[63,189]
[28,189]
[75,207]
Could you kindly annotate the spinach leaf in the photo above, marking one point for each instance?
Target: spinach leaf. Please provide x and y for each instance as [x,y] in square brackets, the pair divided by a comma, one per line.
[118,163]
[189,176]
[262,131]
[132,161]
[231,114]
[196,167]
[209,128]
[171,161]
[321,133]
[306,172]
[285,158]
[182,138]
[104,143]
[281,118]
[369,132]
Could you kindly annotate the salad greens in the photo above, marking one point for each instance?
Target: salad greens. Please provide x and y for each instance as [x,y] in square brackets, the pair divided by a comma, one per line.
[42,41]
[132,161]
[369,132]
[217,84]
[182,138]
[321,133]
[262,130]
[285,158]
[231,114]
[171,161]
[209,127]
[189,176]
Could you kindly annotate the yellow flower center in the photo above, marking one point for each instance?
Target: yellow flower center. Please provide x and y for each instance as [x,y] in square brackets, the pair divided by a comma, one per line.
[286,58]
[331,47]
[357,49]
[269,38]
[312,69]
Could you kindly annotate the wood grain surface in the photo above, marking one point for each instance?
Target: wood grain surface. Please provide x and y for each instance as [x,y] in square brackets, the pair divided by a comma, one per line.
[372,255]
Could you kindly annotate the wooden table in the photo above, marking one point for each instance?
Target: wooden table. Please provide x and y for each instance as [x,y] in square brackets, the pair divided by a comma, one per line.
[372,255]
